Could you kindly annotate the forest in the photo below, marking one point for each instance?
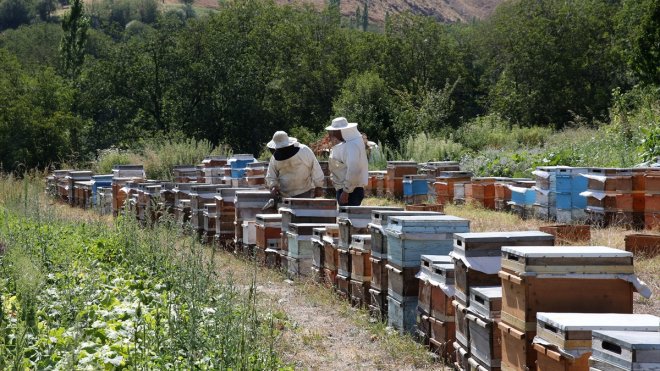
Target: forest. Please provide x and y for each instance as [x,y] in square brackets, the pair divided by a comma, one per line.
[540,81]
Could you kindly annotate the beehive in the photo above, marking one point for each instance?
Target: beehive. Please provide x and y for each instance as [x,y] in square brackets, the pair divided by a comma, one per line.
[625,350]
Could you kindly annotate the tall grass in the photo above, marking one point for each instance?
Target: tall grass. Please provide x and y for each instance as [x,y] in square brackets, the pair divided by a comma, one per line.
[92,295]
[159,155]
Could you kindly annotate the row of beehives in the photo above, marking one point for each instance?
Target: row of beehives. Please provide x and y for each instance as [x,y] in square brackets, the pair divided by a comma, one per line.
[381,269]
[476,300]
[628,197]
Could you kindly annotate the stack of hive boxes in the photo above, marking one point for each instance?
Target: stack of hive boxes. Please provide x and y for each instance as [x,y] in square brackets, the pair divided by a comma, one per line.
[415,189]
[225,213]
[99,181]
[441,316]
[445,183]
[481,191]
[238,165]
[477,261]
[299,248]
[351,220]
[74,186]
[213,169]
[646,197]
[424,294]
[303,211]
[564,340]
[378,258]
[184,174]
[558,191]
[482,316]
[318,253]
[396,170]
[521,197]
[247,204]
[60,184]
[609,196]
[583,279]
[121,175]
[360,250]
[330,255]
[624,350]
[408,238]
[255,174]
[200,195]
[182,202]
[268,229]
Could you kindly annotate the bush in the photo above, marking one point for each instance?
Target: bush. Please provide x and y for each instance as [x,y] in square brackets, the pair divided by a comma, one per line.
[493,131]
[423,147]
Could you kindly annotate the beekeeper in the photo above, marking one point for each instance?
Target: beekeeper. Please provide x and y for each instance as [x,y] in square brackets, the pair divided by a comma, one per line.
[293,170]
[349,166]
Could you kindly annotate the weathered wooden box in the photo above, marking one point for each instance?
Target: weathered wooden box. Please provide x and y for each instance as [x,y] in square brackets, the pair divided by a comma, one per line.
[564,340]
[330,253]
[318,252]
[379,220]
[402,314]
[443,334]
[462,325]
[402,282]
[485,340]
[442,294]
[378,274]
[344,265]
[355,220]
[343,286]
[517,349]
[299,238]
[423,327]
[360,253]
[378,303]
[360,296]
[462,355]
[425,279]
[486,302]
[625,350]
[410,237]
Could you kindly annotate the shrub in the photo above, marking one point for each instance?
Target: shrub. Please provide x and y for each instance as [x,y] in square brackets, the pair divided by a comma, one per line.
[424,147]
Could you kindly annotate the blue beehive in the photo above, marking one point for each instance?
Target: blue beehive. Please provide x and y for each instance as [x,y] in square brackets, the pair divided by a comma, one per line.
[579,186]
[415,185]
[522,196]
[238,163]
[100,181]
[410,237]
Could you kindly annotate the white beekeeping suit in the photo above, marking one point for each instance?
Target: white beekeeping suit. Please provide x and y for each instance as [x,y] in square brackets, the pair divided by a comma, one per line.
[294,170]
[349,166]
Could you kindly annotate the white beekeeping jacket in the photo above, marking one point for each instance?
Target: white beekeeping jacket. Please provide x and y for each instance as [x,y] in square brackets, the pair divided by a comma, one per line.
[295,175]
[349,166]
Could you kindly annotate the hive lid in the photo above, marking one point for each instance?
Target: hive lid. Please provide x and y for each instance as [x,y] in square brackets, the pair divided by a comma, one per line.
[638,340]
[566,252]
[490,292]
[503,236]
[437,259]
[599,321]
[416,219]
[484,264]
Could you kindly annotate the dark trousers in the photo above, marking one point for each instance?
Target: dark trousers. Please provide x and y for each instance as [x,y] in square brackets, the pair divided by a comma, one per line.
[354,198]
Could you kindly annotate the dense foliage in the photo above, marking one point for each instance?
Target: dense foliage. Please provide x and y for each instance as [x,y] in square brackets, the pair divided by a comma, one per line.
[84,294]
[128,70]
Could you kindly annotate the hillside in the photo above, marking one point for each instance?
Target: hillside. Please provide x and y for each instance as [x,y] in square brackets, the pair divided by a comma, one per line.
[443,10]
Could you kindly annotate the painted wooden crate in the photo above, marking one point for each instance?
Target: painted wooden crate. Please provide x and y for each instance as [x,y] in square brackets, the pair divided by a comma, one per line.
[344,265]
[330,253]
[442,292]
[355,220]
[410,237]
[402,314]
[625,350]
[402,282]
[564,340]
[299,235]
[477,257]
[360,251]
[378,303]
[268,228]
[379,220]
[425,280]
[517,349]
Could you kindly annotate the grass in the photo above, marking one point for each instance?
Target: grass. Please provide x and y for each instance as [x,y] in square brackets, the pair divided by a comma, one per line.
[88,294]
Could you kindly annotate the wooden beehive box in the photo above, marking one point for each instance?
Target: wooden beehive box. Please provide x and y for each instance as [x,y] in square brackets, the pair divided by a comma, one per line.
[477,257]
[268,229]
[355,220]
[402,282]
[643,244]
[625,350]
[299,238]
[330,253]
[462,324]
[378,273]
[566,260]
[410,237]
[564,340]
[379,220]
[402,314]
[305,213]
[442,292]
[425,279]
[360,295]
[344,265]
[317,249]
[486,301]
[462,355]
[443,333]
[360,251]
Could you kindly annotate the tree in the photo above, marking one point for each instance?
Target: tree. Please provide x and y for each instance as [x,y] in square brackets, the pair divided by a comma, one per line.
[358,16]
[72,45]
[639,38]
[365,16]
[44,8]
[13,13]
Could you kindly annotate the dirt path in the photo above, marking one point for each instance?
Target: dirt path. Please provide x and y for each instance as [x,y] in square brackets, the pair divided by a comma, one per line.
[324,332]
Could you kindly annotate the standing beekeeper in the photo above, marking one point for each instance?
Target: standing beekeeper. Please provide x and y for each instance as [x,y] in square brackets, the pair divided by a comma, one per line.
[293,170]
[349,166]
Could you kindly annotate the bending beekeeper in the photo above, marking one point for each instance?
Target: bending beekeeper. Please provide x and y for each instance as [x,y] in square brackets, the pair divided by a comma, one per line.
[293,170]
[349,166]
